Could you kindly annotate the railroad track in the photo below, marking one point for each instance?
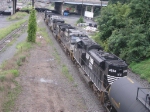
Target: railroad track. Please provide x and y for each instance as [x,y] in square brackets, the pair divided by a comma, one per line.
[10,37]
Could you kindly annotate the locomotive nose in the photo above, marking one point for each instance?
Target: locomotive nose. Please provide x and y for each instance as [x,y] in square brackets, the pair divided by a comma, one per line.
[120,70]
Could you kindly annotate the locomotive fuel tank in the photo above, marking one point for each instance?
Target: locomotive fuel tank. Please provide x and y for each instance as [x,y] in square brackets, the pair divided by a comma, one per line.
[125,97]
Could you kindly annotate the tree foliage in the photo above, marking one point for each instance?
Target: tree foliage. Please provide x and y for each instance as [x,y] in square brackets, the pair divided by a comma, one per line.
[115,1]
[32,27]
[126,29]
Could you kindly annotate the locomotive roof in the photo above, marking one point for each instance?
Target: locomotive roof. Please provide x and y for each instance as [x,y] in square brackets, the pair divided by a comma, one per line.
[74,31]
[55,17]
[89,44]
[100,56]
[67,27]
[63,24]
[123,94]
[47,12]
[52,11]
[59,24]
[58,20]
[78,34]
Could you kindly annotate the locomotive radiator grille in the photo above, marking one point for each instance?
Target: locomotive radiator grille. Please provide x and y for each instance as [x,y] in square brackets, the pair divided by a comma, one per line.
[111,79]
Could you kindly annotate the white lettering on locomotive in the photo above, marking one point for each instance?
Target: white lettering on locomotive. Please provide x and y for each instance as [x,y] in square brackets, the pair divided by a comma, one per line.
[112,70]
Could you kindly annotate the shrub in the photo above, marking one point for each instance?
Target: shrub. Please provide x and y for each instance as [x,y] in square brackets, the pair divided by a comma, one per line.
[80,20]
[32,27]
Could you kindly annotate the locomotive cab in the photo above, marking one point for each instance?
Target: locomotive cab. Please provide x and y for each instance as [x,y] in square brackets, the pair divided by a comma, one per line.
[65,31]
[113,68]
[47,16]
[54,24]
[74,37]
[51,18]
[61,29]
[58,30]
[47,13]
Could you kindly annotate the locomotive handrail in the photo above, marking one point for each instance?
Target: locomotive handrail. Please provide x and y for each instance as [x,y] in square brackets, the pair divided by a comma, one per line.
[145,102]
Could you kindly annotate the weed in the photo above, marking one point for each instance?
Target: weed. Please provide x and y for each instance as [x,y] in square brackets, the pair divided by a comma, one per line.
[1,88]
[24,46]
[18,15]
[142,69]
[43,33]
[2,78]
[65,71]
[81,20]
[21,60]
[11,97]
[15,72]
[56,55]
[75,85]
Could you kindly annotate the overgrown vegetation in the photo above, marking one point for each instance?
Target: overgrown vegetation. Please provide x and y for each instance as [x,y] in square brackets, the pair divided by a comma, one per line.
[56,55]
[43,33]
[32,26]
[10,28]
[17,16]
[81,20]
[66,72]
[142,68]
[9,88]
[124,30]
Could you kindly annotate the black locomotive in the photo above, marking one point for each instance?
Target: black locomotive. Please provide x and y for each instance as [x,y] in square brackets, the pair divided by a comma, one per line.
[107,73]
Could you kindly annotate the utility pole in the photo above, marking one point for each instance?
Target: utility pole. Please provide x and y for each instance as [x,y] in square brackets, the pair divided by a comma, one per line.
[14,6]
[82,9]
[33,3]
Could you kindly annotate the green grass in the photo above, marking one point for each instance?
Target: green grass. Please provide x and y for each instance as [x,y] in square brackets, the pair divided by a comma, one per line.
[11,97]
[18,16]
[10,28]
[56,55]
[14,72]
[65,71]
[24,46]
[142,68]
[43,33]
[9,70]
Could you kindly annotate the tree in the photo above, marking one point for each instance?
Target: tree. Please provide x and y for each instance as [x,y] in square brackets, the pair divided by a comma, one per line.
[124,29]
[32,26]
[121,1]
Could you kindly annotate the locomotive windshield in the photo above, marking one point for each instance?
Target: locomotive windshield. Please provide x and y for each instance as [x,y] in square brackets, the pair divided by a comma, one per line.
[73,39]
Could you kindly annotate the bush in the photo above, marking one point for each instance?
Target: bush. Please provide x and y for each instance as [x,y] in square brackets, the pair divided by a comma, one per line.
[124,30]
[32,27]
[80,20]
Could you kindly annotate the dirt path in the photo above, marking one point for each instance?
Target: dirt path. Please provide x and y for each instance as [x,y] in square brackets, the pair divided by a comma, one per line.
[46,89]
